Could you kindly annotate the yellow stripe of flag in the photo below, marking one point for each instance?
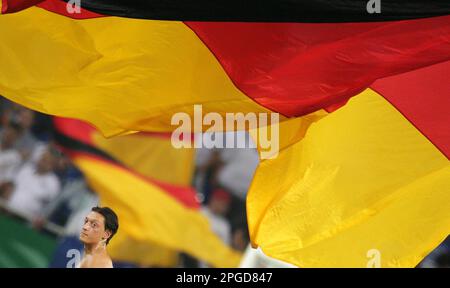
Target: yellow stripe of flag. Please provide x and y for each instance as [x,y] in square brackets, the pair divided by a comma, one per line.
[362,179]
[120,72]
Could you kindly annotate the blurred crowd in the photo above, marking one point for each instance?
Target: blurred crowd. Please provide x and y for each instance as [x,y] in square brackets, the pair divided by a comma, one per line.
[40,185]
[32,170]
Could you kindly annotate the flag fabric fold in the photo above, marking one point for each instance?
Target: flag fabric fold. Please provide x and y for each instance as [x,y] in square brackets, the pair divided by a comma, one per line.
[124,74]
[371,176]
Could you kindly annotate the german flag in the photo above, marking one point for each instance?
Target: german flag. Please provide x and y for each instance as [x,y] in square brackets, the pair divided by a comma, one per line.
[365,186]
[372,175]
[157,208]
[290,57]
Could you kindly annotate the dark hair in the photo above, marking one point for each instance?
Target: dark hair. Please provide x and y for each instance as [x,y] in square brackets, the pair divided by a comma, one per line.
[111,220]
[15,126]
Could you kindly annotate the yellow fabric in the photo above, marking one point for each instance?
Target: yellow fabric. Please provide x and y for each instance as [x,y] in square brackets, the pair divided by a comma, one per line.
[148,214]
[290,131]
[119,74]
[153,156]
[144,254]
[362,178]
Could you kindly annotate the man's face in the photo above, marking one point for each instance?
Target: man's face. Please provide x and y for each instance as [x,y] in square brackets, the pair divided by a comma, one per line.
[218,206]
[9,137]
[93,229]
[46,163]
[26,118]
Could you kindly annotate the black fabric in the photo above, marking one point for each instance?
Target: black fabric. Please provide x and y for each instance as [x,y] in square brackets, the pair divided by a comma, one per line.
[319,11]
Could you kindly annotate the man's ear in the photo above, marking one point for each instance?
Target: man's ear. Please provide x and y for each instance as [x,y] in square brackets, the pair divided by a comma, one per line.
[107,234]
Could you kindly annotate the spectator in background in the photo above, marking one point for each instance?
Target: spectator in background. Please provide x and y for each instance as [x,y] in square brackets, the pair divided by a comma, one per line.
[5,111]
[27,141]
[6,190]
[231,168]
[216,210]
[25,118]
[10,158]
[240,238]
[207,164]
[35,185]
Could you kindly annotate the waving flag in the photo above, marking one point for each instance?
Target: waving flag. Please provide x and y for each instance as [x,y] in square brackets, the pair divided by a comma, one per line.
[125,74]
[368,180]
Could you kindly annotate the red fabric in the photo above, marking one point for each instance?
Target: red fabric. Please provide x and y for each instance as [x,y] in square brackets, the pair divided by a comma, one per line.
[76,129]
[423,97]
[298,68]
[4,6]
[11,6]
